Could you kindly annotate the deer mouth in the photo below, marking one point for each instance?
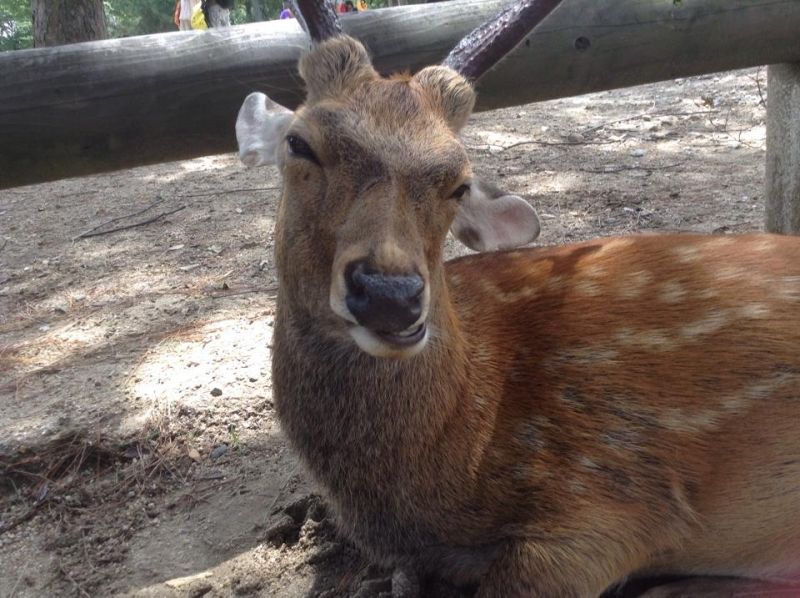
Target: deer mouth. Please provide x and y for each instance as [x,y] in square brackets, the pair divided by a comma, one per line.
[406,338]
[396,345]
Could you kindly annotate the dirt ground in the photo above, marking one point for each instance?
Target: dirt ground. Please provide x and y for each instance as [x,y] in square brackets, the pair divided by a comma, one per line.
[139,450]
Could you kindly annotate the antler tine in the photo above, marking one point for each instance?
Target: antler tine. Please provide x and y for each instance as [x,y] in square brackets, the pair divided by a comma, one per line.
[319,19]
[481,49]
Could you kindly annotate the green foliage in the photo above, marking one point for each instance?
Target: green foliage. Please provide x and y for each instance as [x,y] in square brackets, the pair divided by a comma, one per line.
[124,18]
[16,28]
[139,17]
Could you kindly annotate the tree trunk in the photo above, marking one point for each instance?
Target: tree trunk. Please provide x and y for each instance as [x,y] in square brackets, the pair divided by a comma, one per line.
[58,22]
[255,10]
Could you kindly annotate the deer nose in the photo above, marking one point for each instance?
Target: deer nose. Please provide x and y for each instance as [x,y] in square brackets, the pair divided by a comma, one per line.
[383,302]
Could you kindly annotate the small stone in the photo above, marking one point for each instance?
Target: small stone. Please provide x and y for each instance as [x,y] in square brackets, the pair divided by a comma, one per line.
[638,153]
[216,392]
[219,451]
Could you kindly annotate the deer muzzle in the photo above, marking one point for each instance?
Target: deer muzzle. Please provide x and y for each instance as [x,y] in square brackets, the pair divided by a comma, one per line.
[388,305]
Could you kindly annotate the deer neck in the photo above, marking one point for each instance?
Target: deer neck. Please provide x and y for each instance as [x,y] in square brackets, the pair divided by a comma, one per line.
[333,398]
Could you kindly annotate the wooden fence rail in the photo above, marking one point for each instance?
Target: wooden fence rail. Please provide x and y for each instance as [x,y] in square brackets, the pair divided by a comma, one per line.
[100,106]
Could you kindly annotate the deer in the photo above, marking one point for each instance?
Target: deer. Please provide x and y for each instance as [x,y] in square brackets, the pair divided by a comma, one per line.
[523,421]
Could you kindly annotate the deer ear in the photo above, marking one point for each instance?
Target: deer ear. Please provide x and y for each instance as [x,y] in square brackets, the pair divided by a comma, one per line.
[489,219]
[260,127]
[450,93]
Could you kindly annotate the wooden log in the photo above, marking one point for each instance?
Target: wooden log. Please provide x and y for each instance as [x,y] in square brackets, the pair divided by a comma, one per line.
[101,106]
[783,149]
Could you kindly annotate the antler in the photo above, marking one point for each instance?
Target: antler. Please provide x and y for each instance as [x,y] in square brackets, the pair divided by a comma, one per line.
[486,45]
[319,19]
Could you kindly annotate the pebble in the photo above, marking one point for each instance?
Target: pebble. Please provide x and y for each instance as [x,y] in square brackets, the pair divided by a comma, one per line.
[216,392]
[219,451]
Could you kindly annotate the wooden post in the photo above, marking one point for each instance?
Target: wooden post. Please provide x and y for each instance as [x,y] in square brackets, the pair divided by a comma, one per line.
[101,106]
[783,149]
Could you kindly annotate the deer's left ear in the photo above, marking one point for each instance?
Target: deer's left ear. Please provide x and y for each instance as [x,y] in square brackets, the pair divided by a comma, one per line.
[449,92]
[489,219]
[260,128]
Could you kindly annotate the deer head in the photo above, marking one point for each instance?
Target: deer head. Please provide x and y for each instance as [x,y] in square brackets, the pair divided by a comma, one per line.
[374,175]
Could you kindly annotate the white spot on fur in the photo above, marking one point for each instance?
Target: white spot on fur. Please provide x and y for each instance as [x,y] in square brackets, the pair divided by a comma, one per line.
[707,294]
[657,340]
[686,253]
[733,273]
[719,242]
[516,296]
[754,311]
[763,245]
[709,324]
[672,292]
[634,284]
[688,421]
[789,288]
[594,271]
[577,486]
[587,288]
[529,435]
[614,245]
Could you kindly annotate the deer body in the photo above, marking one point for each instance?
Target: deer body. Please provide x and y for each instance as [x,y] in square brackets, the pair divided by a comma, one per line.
[630,404]
[541,422]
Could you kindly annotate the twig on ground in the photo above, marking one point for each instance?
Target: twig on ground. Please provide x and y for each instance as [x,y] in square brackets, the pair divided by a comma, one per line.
[158,200]
[229,191]
[88,234]
[650,114]
[221,295]
[634,167]
[723,130]
[71,579]
[218,476]
[16,584]
[757,78]
[24,518]
[546,143]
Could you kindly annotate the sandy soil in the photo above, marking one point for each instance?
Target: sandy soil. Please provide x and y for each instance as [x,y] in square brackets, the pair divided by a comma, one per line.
[139,452]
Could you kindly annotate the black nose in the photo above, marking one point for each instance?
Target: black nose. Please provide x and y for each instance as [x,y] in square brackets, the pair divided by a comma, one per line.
[383,302]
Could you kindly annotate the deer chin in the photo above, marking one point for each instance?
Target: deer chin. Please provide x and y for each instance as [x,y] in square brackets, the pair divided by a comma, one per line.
[399,345]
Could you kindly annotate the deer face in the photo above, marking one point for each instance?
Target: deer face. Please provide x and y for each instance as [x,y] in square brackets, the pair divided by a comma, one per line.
[374,176]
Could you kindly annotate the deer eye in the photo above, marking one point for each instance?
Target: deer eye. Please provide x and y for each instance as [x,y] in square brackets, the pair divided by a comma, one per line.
[299,148]
[459,192]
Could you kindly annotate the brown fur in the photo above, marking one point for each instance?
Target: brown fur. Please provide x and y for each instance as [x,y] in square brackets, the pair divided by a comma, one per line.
[580,414]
